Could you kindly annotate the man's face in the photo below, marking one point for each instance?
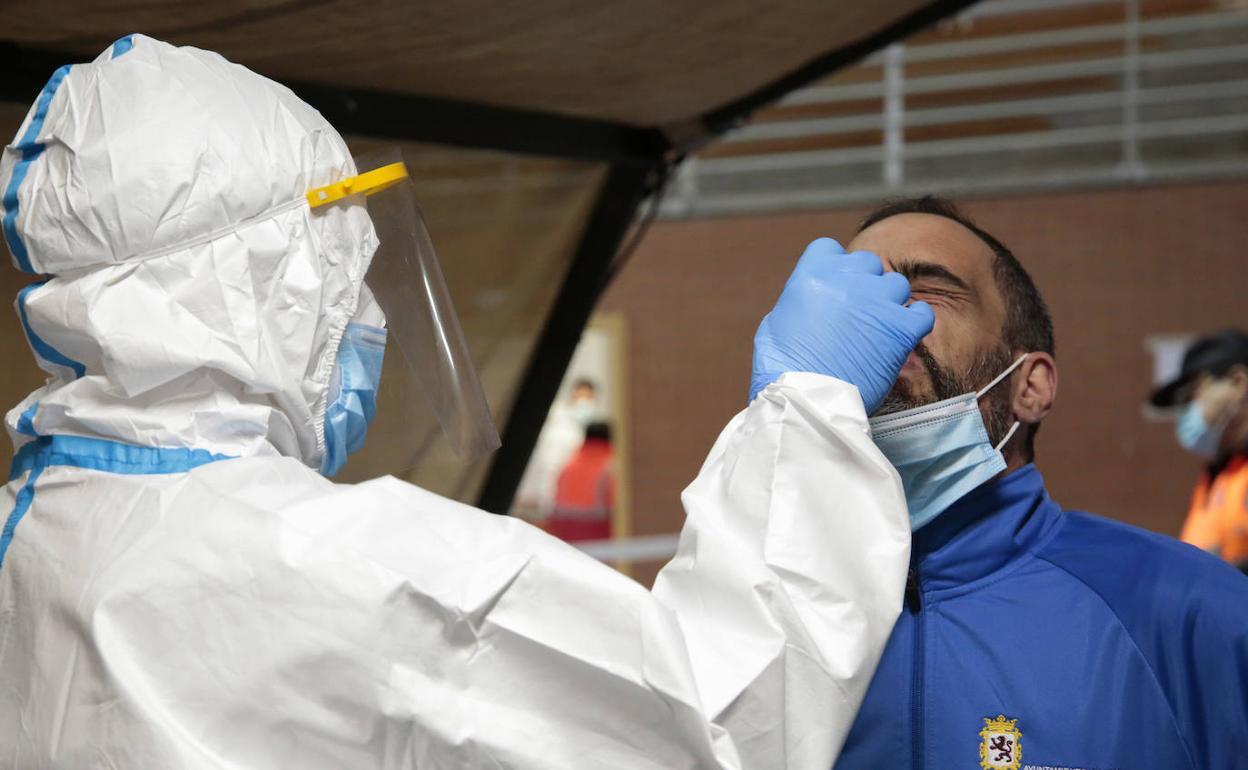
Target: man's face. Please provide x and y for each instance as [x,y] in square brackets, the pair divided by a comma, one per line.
[950,268]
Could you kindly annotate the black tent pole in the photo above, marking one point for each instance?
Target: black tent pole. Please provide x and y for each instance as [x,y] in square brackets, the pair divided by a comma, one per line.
[625,187]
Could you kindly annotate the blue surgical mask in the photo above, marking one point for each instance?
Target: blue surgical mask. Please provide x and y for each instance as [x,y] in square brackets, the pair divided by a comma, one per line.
[352,393]
[1196,434]
[941,450]
[584,412]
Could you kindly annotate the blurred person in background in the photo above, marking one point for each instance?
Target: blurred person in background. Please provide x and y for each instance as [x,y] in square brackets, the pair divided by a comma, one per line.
[1033,636]
[562,434]
[1211,394]
[585,491]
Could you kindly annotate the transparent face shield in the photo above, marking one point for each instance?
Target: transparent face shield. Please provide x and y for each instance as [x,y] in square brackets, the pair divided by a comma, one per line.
[425,347]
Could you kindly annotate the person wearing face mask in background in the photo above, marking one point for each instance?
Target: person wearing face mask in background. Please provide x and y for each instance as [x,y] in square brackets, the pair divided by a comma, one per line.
[562,434]
[1033,636]
[1211,393]
[585,406]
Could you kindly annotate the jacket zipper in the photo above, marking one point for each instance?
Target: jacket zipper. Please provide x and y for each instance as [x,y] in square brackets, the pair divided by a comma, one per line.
[914,602]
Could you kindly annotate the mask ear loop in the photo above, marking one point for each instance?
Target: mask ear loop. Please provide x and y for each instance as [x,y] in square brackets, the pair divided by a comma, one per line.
[1017,363]
[1009,434]
[1013,428]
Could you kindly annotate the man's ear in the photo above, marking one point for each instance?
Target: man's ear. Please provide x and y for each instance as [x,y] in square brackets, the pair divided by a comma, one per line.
[1035,388]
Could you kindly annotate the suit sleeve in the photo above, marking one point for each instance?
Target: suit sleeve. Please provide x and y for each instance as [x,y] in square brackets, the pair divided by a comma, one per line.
[495,645]
[790,571]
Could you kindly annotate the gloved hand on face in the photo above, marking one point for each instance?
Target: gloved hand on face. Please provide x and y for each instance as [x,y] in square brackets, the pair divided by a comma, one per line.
[841,315]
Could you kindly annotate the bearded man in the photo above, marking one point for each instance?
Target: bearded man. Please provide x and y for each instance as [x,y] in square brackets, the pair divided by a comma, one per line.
[1033,636]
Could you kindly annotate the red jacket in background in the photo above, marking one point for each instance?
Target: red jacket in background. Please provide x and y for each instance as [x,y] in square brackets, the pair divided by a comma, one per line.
[585,495]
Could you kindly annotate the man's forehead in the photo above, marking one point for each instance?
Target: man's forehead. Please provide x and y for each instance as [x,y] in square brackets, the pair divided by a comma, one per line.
[929,238]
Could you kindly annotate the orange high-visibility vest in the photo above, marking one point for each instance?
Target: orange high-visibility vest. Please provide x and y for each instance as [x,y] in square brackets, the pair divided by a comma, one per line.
[1218,520]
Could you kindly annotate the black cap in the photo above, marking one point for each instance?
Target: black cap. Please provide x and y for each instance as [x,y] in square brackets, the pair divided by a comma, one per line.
[1215,355]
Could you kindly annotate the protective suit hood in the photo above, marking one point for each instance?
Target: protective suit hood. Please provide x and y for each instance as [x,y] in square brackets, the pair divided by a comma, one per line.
[195,301]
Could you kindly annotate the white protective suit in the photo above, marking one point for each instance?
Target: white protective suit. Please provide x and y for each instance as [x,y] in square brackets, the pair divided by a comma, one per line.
[180,589]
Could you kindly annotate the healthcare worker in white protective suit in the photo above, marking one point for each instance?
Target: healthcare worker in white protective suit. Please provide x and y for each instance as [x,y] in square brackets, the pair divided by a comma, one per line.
[181,587]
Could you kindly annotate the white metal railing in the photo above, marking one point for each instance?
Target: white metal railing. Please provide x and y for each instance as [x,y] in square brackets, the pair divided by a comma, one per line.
[1039,107]
[774,200]
[1169,25]
[1006,7]
[1173,105]
[641,548]
[1029,74]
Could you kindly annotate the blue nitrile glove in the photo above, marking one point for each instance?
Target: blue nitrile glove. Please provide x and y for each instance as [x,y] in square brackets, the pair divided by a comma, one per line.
[840,314]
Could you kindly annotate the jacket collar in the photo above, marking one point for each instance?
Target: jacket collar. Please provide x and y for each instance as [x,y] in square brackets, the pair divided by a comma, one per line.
[985,531]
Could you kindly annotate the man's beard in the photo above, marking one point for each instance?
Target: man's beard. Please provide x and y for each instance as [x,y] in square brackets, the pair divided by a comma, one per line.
[995,404]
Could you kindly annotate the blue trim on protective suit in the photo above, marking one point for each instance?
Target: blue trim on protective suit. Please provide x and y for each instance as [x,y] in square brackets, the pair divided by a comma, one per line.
[26,422]
[30,149]
[25,496]
[109,456]
[42,348]
[94,454]
[122,46]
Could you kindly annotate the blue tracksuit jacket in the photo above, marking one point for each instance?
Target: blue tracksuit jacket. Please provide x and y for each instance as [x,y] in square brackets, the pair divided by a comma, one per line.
[1039,638]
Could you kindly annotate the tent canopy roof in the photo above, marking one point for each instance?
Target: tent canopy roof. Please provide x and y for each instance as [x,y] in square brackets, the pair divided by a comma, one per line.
[638,62]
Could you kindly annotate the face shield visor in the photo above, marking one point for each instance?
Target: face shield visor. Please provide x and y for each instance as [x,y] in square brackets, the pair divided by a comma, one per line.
[427,368]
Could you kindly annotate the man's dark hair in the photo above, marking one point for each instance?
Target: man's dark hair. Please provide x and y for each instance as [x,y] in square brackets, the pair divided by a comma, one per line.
[1028,325]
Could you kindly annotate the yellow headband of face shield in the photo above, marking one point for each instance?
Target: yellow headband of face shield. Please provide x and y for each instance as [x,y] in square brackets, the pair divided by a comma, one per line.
[368,183]
[429,380]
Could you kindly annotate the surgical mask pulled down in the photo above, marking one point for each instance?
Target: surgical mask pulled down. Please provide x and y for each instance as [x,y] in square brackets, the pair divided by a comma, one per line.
[941,450]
